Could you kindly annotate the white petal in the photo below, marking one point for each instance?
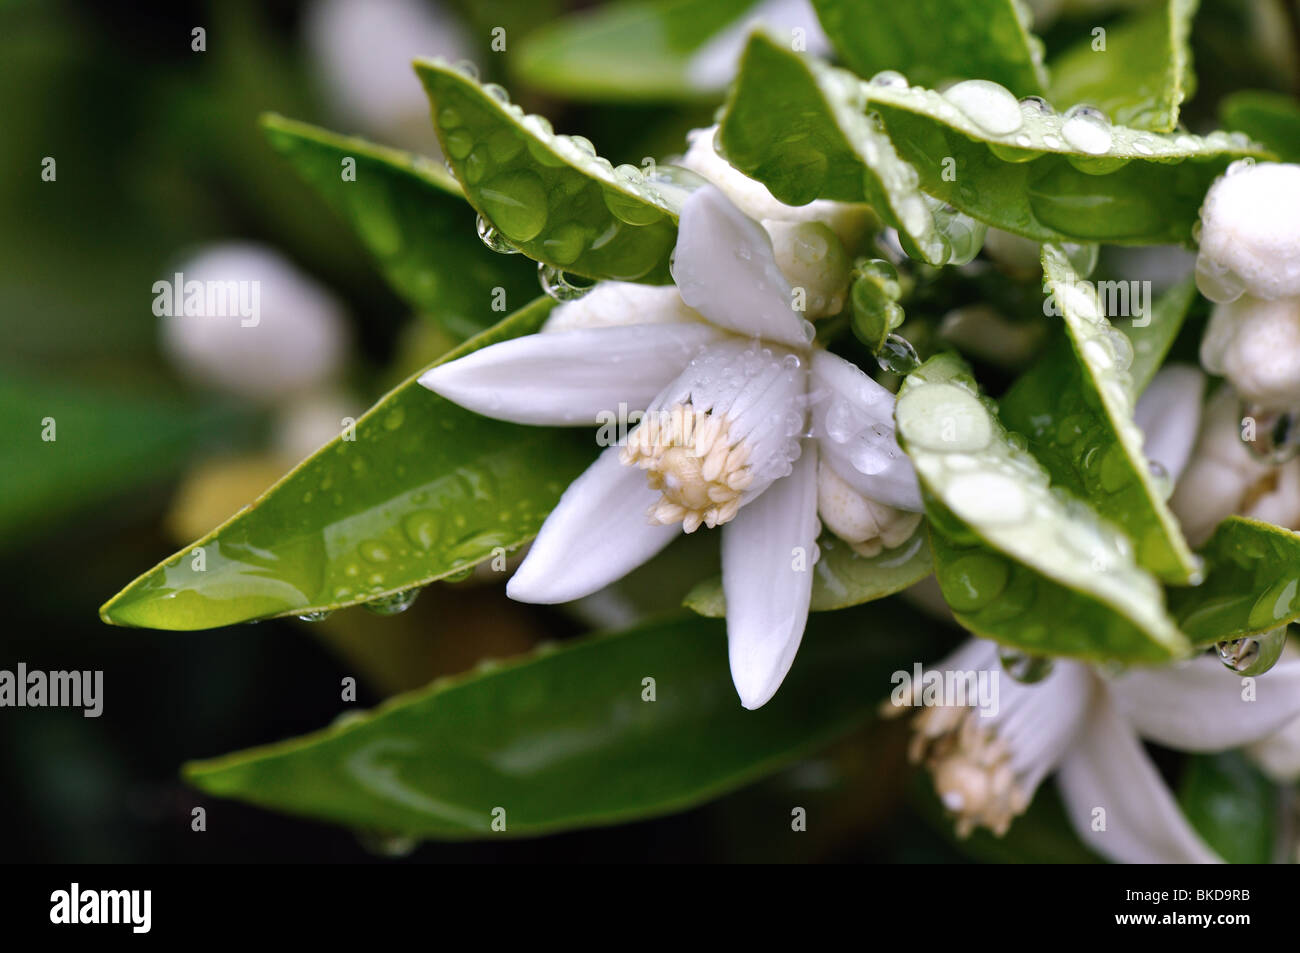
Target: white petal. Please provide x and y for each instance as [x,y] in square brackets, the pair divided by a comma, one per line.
[1198,705]
[1169,415]
[1278,755]
[767,572]
[853,419]
[598,533]
[570,377]
[725,269]
[1107,771]
[617,303]
[1250,230]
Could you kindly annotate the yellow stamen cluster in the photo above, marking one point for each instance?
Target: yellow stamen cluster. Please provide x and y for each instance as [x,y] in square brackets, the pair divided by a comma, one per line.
[690,459]
[970,766]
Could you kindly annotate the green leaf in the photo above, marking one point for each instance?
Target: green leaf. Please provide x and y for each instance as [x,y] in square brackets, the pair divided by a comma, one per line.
[633,51]
[1018,562]
[841,578]
[936,40]
[425,489]
[1076,406]
[70,448]
[1252,583]
[410,214]
[1232,806]
[563,739]
[1152,340]
[787,125]
[1143,74]
[1271,118]
[796,125]
[546,194]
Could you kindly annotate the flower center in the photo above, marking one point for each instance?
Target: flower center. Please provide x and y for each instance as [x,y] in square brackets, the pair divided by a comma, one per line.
[971,767]
[690,458]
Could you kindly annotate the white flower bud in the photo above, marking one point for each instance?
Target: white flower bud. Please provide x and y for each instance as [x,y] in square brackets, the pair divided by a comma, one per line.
[1221,472]
[867,526]
[275,332]
[812,257]
[1255,344]
[1250,233]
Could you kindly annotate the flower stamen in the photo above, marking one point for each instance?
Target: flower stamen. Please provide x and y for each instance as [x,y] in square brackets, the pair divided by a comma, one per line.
[690,458]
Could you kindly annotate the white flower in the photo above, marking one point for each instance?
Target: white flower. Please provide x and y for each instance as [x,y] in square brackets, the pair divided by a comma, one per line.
[1255,344]
[362,51]
[1087,728]
[1223,477]
[1250,233]
[277,333]
[713,66]
[1278,754]
[722,441]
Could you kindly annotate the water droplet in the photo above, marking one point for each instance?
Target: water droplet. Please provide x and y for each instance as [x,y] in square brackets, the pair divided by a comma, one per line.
[964,235]
[497,92]
[318,616]
[515,202]
[1087,129]
[987,104]
[467,68]
[492,238]
[374,551]
[889,79]
[395,603]
[898,356]
[1253,655]
[972,582]
[556,283]
[1217,282]
[1037,106]
[1023,667]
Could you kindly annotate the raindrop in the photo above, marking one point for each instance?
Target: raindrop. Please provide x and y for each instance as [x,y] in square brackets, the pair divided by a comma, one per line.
[1023,667]
[1036,105]
[889,79]
[497,92]
[492,238]
[1082,258]
[898,356]
[466,68]
[395,603]
[556,283]
[987,104]
[318,616]
[1087,129]
[1253,655]
[1217,282]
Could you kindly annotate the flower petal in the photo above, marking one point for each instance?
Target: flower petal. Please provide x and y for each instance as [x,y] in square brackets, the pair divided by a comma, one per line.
[1108,771]
[1198,705]
[725,269]
[597,534]
[853,419]
[618,304]
[767,574]
[1169,415]
[570,377]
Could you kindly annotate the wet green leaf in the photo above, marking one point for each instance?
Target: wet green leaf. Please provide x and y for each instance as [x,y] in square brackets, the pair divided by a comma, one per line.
[548,195]
[1076,406]
[797,126]
[564,739]
[1139,71]
[1270,118]
[1018,562]
[1252,583]
[423,490]
[841,577]
[636,51]
[1232,806]
[936,40]
[410,214]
